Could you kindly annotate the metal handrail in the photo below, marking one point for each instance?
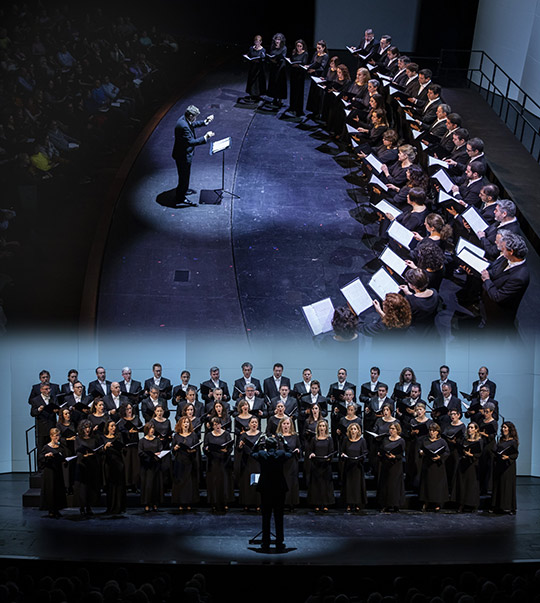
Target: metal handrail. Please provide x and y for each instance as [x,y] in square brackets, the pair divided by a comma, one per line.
[488,82]
[31,452]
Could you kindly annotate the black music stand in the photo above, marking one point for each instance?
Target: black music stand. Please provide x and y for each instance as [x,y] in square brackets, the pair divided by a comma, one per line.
[214,197]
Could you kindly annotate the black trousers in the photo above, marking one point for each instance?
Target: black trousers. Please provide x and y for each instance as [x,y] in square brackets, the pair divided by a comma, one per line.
[275,505]
[183,167]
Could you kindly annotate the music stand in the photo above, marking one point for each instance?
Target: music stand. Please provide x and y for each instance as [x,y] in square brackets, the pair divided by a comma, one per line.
[219,146]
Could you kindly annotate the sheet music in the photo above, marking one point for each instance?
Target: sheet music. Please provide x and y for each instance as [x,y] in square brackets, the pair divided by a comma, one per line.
[393,261]
[317,80]
[373,161]
[163,453]
[400,234]
[416,134]
[435,161]
[351,130]
[472,260]
[220,145]
[387,208]
[382,283]
[392,90]
[319,316]
[445,197]
[474,248]
[357,296]
[474,220]
[445,182]
[377,182]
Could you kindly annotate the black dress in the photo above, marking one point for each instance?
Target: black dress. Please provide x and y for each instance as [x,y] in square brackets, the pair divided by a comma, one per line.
[486,460]
[319,65]
[353,491]
[453,434]
[290,471]
[419,431]
[424,310]
[185,486]
[246,465]
[320,486]
[433,482]
[277,74]
[163,431]
[219,482]
[503,497]
[66,433]
[390,486]
[88,476]
[114,474]
[151,474]
[53,492]
[297,79]
[467,484]
[256,80]
[132,464]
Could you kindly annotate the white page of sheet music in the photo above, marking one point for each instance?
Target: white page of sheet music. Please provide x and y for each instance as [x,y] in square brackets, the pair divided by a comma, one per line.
[393,261]
[400,234]
[387,208]
[472,260]
[474,248]
[357,296]
[474,220]
[382,283]
[319,315]
[377,182]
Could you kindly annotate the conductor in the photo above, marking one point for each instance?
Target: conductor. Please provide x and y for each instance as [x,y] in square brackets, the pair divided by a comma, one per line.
[272,487]
[185,142]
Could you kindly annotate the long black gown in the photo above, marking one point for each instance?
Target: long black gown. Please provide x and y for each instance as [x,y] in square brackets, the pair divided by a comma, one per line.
[256,80]
[467,484]
[390,485]
[277,74]
[486,460]
[114,474]
[246,465]
[320,485]
[185,486]
[503,497]
[319,65]
[53,492]
[219,481]
[66,433]
[163,431]
[88,476]
[297,76]
[151,474]
[453,434]
[433,482]
[132,462]
[290,471]
[413,460]
[353,491]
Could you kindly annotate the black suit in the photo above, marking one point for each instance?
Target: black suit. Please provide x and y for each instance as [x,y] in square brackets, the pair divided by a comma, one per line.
[503,292]
[473,413]
[269,386]
[272,487]
[240,387]
[440,411]
[346,385]
[258,408]
[147,408]
[428,114]
[165,387]
[36,391]
[470,193]
[109,402]
[210,384]
[291,406]
[300,388]
[438,128]
[435,391]
[488,242]
[45,419]
[367,386]
[185,142]
[95,389]
[134,388]
[492,388]
[412,88]
[66,389]
[400,78]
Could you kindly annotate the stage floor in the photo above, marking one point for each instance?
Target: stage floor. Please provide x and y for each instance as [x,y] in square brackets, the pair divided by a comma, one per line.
[335,539]
[246,267]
